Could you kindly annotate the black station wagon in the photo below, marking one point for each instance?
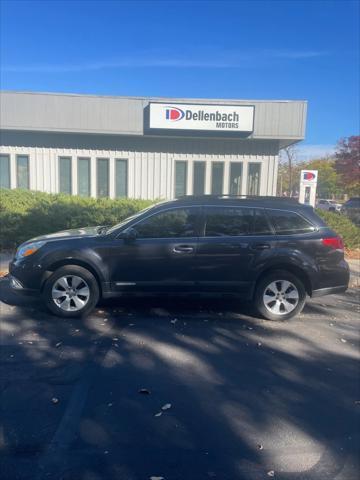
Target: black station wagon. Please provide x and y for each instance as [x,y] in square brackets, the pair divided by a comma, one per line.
[267,250]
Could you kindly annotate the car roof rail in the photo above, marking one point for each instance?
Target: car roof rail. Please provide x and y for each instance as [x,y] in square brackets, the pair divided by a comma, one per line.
[240,197]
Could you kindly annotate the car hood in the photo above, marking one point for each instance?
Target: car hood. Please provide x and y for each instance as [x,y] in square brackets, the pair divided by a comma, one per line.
[69,234]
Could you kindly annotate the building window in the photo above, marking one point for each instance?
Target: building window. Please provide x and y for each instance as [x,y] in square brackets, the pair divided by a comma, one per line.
[102,177]
[199,178]
[180,178]
[121,175]
[4,171]
[22,171]
[235,178]
[254,179]
[217,178]
[84,176]
[65,175]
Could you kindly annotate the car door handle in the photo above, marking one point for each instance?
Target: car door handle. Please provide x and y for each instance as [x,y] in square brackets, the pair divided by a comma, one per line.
[260,246]
[183,249]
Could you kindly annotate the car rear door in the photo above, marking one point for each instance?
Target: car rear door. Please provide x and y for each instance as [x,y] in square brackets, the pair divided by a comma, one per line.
[234,240]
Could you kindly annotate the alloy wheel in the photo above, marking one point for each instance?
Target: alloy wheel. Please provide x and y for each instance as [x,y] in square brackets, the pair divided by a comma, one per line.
[281,297]
[70,293]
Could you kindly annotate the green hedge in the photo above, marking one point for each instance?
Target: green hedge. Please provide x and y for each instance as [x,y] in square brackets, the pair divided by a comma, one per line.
[343,226]
[25,214]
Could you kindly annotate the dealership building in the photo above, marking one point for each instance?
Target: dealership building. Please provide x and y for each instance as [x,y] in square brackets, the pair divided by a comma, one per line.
[150,148]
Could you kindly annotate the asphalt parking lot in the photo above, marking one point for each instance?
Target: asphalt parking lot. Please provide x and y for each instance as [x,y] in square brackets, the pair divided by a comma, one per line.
[225,395]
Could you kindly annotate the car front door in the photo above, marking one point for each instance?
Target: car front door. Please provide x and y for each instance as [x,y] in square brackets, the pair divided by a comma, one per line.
[233,242]
[161,255]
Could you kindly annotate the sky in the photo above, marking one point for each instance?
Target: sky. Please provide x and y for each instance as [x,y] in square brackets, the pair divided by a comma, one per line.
[307,50]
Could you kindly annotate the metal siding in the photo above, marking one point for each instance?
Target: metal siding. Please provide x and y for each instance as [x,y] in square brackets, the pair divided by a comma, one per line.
[125,116]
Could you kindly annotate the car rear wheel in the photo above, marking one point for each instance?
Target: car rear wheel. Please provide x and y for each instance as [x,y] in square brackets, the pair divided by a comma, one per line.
[71,291]
[279,295]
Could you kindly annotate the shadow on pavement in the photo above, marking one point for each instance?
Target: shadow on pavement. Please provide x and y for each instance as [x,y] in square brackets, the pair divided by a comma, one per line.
[248,397]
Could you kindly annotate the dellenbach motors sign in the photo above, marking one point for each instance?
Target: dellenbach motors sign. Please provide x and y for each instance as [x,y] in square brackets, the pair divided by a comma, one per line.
[230,118]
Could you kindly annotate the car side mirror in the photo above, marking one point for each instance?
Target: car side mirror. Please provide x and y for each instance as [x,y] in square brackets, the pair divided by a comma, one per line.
[129,235]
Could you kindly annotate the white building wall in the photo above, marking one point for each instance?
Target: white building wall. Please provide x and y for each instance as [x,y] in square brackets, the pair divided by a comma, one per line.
[150,174]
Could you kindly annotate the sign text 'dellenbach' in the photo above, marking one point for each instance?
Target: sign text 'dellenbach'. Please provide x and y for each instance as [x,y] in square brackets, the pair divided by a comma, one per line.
[233,118]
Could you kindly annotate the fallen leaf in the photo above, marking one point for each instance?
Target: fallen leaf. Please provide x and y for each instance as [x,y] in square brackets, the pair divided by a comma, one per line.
[271,473]
[166,406]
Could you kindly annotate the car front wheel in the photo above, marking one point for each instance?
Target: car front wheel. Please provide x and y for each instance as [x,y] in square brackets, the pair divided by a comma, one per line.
[71,291]
[279,295]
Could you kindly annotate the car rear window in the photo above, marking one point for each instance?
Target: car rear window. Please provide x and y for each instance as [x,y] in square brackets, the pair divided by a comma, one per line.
[289,223]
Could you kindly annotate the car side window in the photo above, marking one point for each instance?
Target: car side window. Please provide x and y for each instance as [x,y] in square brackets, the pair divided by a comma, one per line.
[261,223]
[179,222]
[288,223]
[228,221]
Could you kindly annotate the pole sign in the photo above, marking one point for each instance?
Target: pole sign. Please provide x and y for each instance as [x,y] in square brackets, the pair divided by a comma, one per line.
[308,183]
[181,116]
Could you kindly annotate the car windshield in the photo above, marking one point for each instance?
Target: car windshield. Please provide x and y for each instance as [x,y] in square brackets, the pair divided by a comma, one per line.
[128,219]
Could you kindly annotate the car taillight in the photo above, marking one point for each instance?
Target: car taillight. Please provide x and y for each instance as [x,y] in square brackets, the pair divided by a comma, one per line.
[333,242]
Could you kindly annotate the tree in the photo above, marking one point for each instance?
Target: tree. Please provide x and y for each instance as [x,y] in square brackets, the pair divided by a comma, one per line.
[288,171]
[329,183]
[347,163]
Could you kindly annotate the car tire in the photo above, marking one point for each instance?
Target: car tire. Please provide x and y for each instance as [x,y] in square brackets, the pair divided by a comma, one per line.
[279,296]
[71,291]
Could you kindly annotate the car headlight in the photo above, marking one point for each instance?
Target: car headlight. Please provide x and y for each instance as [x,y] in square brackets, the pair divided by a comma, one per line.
[29,249]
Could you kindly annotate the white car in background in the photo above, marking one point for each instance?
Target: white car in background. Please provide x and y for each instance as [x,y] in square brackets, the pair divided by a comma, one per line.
[328,205]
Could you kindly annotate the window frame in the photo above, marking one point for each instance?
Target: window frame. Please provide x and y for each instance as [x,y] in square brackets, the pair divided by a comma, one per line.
[126,162]
[68,157]
[203,164]
[9,168]
[186,163]
[268,210]
[222,163]
[242,176]
[108,177]
[182,207]
[248,178]
[28,170]
[78,176]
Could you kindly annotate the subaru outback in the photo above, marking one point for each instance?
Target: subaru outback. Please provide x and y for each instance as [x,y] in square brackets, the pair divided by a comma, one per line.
[270,251]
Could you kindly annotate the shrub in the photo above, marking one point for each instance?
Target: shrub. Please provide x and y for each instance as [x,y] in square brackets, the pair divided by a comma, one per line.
[343,226]
[25,214]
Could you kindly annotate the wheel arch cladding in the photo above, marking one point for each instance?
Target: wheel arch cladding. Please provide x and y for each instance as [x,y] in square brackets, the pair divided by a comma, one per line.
[69,262]
[294,269]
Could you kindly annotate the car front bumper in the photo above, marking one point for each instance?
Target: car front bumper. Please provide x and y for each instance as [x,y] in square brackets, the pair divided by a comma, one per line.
[17,286]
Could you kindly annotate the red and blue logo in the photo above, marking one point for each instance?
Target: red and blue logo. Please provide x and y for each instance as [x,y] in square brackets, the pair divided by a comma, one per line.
[174,114]
[309,176]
